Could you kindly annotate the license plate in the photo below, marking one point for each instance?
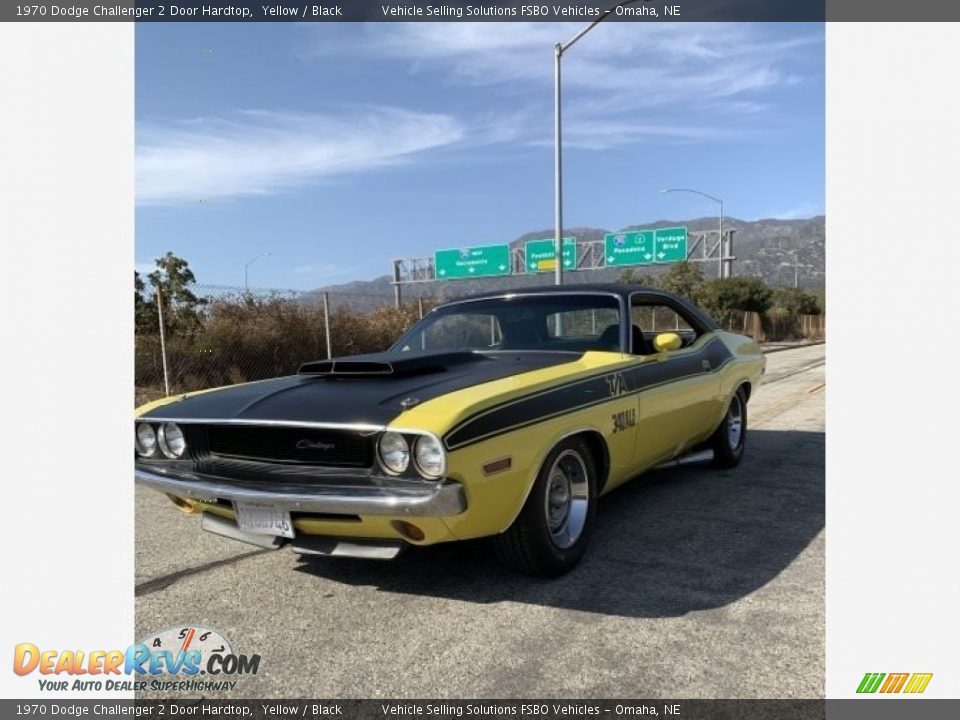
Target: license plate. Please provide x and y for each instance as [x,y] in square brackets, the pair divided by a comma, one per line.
[263,519]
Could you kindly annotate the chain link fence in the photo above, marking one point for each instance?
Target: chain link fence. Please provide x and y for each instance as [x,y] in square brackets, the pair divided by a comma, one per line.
[776,327]
[228,335]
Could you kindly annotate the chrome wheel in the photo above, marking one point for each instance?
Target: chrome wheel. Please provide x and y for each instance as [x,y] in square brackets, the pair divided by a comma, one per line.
[567,498]
[552,531]
[735,422]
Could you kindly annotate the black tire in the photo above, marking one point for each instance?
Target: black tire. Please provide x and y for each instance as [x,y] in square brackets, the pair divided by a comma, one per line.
[543,541]
[726,442]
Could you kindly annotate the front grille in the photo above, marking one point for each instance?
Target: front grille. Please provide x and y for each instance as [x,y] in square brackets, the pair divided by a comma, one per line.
[299,448]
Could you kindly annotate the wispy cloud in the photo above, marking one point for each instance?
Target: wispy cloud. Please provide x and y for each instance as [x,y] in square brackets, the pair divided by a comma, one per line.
[627,83]
[657,77]
[592,133]
[657,56]
[261,152]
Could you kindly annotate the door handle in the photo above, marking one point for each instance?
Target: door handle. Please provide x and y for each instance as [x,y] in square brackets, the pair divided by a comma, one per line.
[705,364]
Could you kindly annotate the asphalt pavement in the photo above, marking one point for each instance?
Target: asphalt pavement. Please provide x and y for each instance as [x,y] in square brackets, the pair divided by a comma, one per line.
[698,583]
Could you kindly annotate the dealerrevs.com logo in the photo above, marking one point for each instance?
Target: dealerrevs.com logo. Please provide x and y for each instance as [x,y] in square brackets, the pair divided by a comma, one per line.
[167,661]
[911,683]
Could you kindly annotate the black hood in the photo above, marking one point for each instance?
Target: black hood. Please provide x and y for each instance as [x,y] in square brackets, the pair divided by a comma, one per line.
[378,364]
[357,389]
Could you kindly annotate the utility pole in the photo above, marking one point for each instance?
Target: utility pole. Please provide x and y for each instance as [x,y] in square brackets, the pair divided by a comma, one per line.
[557,170]
[163,343]
[326,323]
[396,284]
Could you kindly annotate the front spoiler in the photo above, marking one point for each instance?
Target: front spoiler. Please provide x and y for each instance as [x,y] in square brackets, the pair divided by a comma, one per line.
[419,500]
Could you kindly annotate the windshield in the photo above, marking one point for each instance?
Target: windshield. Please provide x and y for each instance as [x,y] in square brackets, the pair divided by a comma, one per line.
[522,322]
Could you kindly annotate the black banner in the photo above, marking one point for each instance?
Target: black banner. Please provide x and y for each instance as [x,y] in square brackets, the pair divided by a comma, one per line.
[419,709]
[478,11]
[413,10]
[854,709]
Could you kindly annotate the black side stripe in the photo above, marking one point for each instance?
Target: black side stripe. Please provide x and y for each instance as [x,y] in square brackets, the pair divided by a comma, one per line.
[585,393]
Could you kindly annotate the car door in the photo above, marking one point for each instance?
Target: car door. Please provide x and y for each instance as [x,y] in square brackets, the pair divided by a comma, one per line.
[679,389]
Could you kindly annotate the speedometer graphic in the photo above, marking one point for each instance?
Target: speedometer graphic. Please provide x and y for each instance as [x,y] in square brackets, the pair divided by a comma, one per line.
[188,638]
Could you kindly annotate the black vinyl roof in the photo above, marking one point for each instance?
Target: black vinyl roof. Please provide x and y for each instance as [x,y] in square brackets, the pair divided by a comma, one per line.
[622,290]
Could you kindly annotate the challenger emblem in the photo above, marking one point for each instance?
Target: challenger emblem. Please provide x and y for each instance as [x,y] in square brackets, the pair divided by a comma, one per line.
[311,445]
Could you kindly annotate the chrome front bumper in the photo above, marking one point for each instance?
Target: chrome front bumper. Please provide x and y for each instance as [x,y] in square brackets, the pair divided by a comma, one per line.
[426,500]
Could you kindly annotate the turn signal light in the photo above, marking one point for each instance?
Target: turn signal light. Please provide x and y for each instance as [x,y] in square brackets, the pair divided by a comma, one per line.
[409,530]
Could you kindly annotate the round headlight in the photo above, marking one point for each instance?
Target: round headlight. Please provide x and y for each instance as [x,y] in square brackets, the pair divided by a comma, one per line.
[394,452]
[171,440]
[146,440]
[429,455]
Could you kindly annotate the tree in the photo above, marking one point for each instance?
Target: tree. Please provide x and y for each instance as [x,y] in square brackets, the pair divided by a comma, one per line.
[683,278]
[629,276]
[722,297]
[144,308]
[181,308]
[796,301]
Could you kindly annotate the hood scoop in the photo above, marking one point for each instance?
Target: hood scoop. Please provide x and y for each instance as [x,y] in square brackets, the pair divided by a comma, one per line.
[345,367]
[379,365]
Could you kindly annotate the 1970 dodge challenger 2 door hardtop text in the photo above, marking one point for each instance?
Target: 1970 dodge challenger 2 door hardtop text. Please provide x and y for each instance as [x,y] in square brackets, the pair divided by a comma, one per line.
[503,415]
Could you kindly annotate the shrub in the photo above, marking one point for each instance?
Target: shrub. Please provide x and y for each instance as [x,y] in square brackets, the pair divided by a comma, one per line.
[723,297]
[244,338]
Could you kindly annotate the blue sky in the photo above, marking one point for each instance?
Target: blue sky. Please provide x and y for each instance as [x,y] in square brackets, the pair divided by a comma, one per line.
[336,147]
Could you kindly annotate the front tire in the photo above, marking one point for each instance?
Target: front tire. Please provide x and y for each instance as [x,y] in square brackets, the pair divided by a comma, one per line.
[553,529]
[730,438]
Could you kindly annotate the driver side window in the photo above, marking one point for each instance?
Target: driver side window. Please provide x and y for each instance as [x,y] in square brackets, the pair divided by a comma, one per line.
[653,317]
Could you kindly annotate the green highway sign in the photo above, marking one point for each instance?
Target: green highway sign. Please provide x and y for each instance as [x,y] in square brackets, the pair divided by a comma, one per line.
[670,244]
[541,255]
[472,262]
[645,247]
[629,248]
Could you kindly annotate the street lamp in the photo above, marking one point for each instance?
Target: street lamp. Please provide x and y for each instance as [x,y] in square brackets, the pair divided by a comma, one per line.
[720,237]
[558,50]
[246,284]
[796,266]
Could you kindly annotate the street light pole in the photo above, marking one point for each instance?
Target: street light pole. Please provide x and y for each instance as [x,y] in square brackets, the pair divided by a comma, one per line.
[246,268]
[558,50]
[719,201]
[557,170]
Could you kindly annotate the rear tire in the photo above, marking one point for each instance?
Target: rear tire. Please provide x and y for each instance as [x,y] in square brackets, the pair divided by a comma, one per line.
[730,438]
[553,529]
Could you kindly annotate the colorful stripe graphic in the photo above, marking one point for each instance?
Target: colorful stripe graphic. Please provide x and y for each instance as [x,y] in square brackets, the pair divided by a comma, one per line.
[870,682]
[918,683]
[894,682]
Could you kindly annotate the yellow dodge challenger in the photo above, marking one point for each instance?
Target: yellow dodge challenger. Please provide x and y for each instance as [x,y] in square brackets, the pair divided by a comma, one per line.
[504,415]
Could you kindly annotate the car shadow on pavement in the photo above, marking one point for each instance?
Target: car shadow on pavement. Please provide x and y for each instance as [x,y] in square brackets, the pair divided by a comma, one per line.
[677,540]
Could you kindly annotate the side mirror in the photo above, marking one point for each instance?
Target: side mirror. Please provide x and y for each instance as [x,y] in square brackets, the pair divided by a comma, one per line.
[665,342]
